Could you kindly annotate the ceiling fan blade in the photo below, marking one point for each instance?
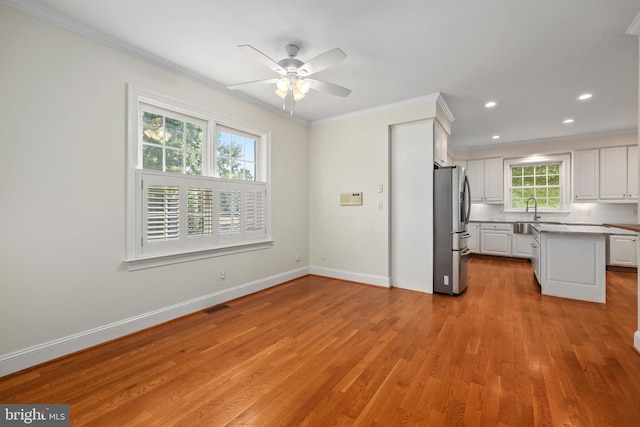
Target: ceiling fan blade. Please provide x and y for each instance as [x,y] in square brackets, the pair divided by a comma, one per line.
[252,83]
[321,62]
[329,88]
[264,59]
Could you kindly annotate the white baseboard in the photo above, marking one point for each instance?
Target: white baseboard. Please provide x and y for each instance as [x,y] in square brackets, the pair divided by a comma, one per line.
[351,276]
[22,359]
[636,340]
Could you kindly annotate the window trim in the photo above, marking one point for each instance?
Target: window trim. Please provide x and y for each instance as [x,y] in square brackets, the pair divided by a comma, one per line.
[136,260]
[565,179]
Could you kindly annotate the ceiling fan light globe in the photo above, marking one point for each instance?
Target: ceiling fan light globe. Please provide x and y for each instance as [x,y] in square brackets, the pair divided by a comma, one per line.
[281,93]
[297,95]
[283,84]
[304,86]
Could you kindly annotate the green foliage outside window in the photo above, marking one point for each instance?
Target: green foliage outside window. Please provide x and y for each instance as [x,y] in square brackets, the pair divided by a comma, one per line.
[171,145]
[539,181]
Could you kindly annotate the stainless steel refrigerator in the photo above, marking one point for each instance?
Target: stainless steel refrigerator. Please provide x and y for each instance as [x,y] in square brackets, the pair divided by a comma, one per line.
[451,209]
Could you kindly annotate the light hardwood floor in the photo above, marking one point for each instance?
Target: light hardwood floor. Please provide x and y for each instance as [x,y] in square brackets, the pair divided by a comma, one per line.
[323,352]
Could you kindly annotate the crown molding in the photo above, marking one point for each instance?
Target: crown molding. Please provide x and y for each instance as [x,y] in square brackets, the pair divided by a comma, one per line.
[634,28]
[62,21]
[436,97]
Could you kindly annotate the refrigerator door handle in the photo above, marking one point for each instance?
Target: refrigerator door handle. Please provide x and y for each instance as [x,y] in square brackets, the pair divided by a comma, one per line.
[465,236]
[467,198]
[465,252]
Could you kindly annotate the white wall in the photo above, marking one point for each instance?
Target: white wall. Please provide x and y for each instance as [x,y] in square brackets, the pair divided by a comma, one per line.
[346,155]
[62,185]
[636,337]
[600,212]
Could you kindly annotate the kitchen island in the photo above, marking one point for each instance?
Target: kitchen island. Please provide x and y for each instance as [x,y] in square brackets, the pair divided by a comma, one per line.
[569,261]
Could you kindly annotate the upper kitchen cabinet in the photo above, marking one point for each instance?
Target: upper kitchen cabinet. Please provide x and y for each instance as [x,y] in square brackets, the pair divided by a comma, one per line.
[613,173]
[632,172]
[606,175]
[486,178]
[585,175]
[440,140]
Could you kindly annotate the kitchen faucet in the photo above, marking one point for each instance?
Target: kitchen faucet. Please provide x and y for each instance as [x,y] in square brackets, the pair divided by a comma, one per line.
[535,207]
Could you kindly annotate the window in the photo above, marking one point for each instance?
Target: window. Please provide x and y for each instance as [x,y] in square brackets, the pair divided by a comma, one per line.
[197,185]
[539,181]
[545,178]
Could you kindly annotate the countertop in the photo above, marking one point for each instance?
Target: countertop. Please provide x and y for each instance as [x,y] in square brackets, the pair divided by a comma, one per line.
[511,221]
[630,227]
[581,229]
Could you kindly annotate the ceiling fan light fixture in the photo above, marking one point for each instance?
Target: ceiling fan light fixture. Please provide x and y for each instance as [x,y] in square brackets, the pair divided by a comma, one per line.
[283,84]
[297,95]
[281,93]
[304,86]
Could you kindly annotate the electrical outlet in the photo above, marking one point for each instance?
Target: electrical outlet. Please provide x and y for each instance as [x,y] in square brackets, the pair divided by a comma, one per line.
[585,212]
[222,275]
[322,255]
[297,257]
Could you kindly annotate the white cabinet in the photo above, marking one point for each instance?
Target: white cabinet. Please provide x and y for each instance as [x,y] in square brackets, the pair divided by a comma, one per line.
[536,254]
[607,174]
[632,172]
[475,172]
[613,173]
[521,245]
[440,139]
[495,238]
[622,250]
[474,240]
[585,175]
[486,178]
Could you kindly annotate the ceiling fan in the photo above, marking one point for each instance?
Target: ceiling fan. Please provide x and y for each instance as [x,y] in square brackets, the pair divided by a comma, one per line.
[294,82]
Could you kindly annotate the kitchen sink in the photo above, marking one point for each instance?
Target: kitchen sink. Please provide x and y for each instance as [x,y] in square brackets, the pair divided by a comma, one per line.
[522,227]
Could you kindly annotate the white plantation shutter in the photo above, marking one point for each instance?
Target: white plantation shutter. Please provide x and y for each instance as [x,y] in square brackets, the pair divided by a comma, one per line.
[200,212]
[229,212]
[162,213]
[255,213]
[186,212]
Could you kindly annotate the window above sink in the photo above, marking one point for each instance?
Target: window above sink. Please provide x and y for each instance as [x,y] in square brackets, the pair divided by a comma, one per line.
[544,178]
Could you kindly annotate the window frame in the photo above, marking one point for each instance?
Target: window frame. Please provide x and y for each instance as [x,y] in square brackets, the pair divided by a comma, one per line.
[138,258]
[564,159]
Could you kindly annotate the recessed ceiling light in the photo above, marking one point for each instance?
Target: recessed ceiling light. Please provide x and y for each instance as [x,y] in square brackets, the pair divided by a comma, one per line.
[567,121]
[491,104]
[495,137]
[584,96]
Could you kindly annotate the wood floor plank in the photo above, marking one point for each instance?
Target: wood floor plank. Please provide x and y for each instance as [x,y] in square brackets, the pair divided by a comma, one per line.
[324,352]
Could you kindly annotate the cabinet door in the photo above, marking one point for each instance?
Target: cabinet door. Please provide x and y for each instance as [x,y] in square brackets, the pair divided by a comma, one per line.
[521,245]
[495,242]
[622,250]
[632,172]
[493,180]
[613,173]
[474,230]
[585,175]
[475,172]
[535,258]
[440,145]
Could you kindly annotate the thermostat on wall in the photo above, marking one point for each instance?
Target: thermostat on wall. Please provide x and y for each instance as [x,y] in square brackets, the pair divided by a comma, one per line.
[351,199]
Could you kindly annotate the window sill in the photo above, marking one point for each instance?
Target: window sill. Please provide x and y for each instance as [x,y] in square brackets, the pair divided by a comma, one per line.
[158,260]
[560,211]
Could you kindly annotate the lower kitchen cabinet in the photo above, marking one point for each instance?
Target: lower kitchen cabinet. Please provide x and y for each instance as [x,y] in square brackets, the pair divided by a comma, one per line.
[474,240]
[622,251]
[521,245]
[495,238]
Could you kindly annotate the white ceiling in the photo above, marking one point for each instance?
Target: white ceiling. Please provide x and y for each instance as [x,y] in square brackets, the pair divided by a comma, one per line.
[534,57]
